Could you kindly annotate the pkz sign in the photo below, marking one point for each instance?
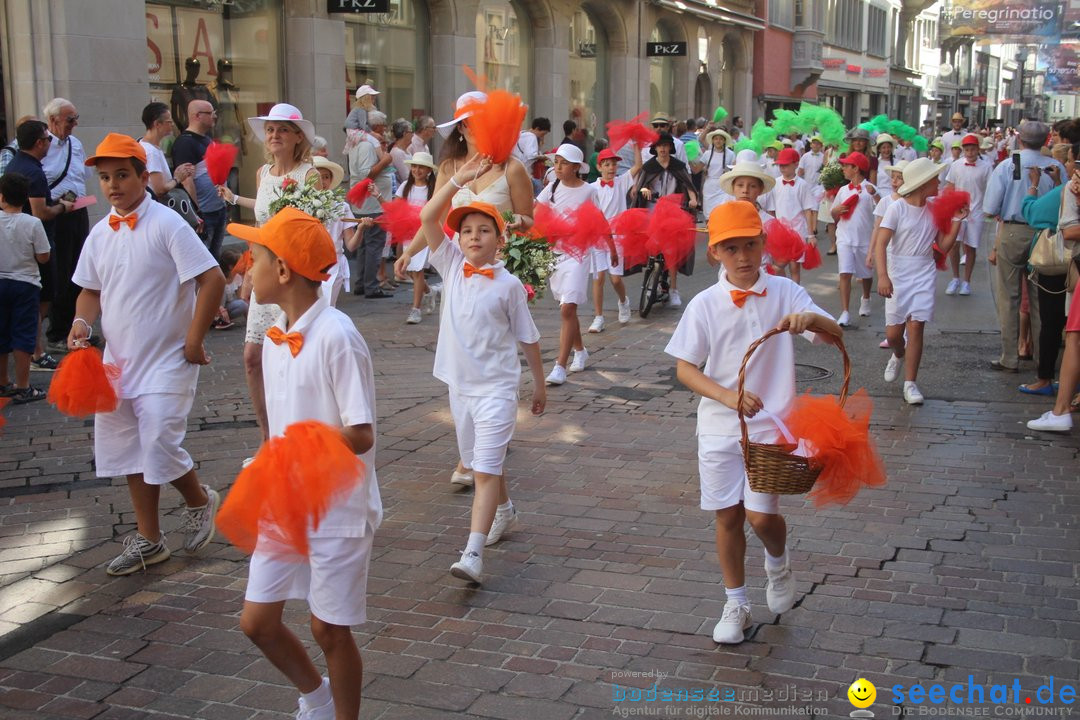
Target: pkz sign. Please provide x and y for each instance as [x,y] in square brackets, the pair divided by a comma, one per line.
[357,6]
[665,49]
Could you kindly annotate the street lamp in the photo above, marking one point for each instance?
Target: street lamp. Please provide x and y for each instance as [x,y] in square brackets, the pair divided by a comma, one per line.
[1021,61]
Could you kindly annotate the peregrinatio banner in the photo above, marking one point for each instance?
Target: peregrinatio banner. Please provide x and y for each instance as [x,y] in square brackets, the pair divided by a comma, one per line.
[1002,20]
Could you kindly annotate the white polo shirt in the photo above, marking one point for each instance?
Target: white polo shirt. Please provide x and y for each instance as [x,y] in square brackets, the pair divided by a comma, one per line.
[330,380]
[612,199]
[914,232]
[146,277]
[790,202]
[972,178]
[811,164]
[480,324]
[856,229]
[715,332]
[884,203]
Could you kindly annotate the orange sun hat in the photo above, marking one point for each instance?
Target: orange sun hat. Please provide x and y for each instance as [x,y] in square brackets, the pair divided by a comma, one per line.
[295,237]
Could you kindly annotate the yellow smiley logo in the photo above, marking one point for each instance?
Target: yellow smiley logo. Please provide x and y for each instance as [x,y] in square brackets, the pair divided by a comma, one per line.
[862,693]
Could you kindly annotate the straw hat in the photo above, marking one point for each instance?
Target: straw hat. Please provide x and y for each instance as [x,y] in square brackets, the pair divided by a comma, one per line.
[718,133]
[282,112]
[743,168]
[885,138]
[460,111]
[895,167]
[918,173]
[422,158]
[337,173]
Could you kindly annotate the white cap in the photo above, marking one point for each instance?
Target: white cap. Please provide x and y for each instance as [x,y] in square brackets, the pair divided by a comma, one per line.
[365,90]
[572,153]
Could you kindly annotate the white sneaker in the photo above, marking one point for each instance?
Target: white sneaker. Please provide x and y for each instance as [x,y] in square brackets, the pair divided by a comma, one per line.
[415,316]
[470,567]
[597,324]
[427,304]
[864,307]
[732,625]
[845,319]
[965,288]
[323,712]
[624,311]
[892,368]
[780,589]
[953,286]
[462,479]
[912,395]
[504,523]
[674,300]
[200,522]
[578,363]
[557,376]
[1049,422]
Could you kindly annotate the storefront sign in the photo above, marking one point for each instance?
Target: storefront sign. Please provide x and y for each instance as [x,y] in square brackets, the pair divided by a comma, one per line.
[665,49]
[196,34]
[833,63]
[875,72]
[966,92]
[1007,101]
[978,99]
[357,6]
[854,69]
[1017,19]
[587,49]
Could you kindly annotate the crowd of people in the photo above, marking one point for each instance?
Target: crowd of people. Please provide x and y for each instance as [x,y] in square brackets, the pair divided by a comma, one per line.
[60,280]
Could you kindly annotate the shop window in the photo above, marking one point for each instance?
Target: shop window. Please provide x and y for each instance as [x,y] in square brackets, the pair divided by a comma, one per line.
[588,73]
[382,50]
[661,76]
[877,31]
[845,26]
[782,13]
[502,53]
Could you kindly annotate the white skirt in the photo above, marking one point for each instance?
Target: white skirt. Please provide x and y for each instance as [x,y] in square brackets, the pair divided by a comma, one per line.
[259,319]
[419,261]
[570,282]
[913,279]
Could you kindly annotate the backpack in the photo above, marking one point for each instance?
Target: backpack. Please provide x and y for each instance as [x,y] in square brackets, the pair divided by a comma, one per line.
[181,203]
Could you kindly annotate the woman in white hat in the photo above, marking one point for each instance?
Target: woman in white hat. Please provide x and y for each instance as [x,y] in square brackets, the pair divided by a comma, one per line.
[885,145]
[417,190]
[907,271]
[713,164]
[287,137]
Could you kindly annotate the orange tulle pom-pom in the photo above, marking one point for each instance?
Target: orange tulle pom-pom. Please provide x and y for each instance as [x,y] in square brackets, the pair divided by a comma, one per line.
[783,242]
[495,124]
[219,159]
[631,227]
[359,192]
[671,229]
[812,257]
[944,207]
[620,132]
[243,264]
[839,438]
[84,384]
[401,220]
[287,490]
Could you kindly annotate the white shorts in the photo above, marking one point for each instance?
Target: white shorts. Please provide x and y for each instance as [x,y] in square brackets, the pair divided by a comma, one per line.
[851,260]
[972,230]
[599,261]
[570,282]
[723,475]
[259,319]
[484,426]
[143,435]
[418,262]
[333,580]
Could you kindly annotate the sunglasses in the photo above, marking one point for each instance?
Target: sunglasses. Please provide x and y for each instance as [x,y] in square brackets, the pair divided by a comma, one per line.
[46,138]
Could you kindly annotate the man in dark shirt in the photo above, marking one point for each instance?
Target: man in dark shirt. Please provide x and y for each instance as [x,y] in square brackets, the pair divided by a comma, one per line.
[190,147]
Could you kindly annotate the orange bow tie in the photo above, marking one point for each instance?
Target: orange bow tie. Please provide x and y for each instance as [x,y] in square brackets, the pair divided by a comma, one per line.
[294,339]
[115,221]
[489,273]
[739,296]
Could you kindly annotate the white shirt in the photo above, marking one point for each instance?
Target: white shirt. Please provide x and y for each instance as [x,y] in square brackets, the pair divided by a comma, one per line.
[480,324]
[716,163]
[811,164]
[856,229]
[883,204]
[914,232]
[790,202]
[330,380]
[22,237]
[948,138]
[769,165]
[527,147]
[972,179]
[680,152]
[155,160]
[715,332]
[906,153]
[57,158]
[567,198]
[612,200]
[146,277]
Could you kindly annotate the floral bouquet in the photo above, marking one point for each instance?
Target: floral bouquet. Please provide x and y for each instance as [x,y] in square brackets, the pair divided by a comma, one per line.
[832,179]
[323,205]
[528,257]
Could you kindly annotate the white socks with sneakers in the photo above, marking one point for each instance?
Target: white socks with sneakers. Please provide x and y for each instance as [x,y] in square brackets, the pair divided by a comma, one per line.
[737,595]
[476,543]
[318,697]
[505,507]
[773,564]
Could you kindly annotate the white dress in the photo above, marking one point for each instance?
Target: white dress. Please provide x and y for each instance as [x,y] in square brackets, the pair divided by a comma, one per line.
[260,317]
[715,165]
[910,260]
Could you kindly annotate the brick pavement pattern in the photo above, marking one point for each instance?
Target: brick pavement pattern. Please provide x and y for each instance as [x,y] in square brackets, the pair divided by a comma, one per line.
[965,563]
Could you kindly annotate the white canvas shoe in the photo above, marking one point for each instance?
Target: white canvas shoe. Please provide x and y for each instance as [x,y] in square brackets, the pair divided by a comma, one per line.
[892,368]
[624,311]
[733,624]
[912,395]
[578,363]
[557,376]
[597,324]
[470,567]
[845,319]
[953,286]
[780,589]
[1049,422]
[864,307]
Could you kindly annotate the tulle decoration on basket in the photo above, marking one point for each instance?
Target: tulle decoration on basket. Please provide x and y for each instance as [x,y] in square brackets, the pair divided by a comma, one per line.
[83,384]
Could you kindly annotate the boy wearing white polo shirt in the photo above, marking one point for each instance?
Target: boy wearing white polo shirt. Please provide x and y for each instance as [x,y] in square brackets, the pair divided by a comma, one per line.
[853,211]
[611,191]
[970,174]
[485,317]
[793,201]
[317,367]
[715,330]
[157,289]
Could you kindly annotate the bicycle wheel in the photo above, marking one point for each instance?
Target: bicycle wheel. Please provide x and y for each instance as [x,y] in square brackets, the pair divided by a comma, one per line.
[650,288]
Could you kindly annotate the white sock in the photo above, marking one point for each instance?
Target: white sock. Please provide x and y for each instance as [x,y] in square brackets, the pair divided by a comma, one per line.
[909,384]
[775,563]
[476,543]
[737,595]
[505,507]
[318,697]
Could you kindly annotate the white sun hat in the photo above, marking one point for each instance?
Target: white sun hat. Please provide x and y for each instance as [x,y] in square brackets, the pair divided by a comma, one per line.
[282,112]
[423,159]
[337,172]
[572,153]
[918,173]
[461,110]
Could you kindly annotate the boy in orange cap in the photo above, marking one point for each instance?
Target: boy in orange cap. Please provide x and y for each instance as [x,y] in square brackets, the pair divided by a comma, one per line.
[715,330]
[317,367]
[157,289]
[485,317]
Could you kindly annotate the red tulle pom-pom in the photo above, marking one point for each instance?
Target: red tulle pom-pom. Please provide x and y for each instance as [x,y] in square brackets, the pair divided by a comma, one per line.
[549,223]
[496,124]
[289,487]
[943,208]
[620,132]
[783,242]
[672,229]
[401,220]
[939,257]
[3,404]
[849,206]
[631,229]
[219,161]
[812,257]
[839,438]
[769,269]
[84,384]
[359,192]
[590,230]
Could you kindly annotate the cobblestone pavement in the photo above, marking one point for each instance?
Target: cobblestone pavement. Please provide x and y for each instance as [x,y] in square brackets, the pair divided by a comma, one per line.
[963,566]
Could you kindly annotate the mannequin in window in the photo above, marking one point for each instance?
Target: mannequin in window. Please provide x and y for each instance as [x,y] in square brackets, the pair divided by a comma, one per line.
[226,98]
[189,90]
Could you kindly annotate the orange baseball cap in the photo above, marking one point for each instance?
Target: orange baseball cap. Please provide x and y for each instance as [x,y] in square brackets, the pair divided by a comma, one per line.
[453,220]
[116,145]
[735,219]
[295,237]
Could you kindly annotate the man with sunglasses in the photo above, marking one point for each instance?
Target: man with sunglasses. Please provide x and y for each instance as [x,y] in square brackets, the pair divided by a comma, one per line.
[661,123]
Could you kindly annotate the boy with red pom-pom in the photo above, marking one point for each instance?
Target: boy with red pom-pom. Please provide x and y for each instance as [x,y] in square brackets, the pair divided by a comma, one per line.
[317,367]
[853,212]
[793,201]
[611,191]
[715,331]
[157,289]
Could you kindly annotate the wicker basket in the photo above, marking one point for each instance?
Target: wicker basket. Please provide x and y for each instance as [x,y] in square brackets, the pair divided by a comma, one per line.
[772,468]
